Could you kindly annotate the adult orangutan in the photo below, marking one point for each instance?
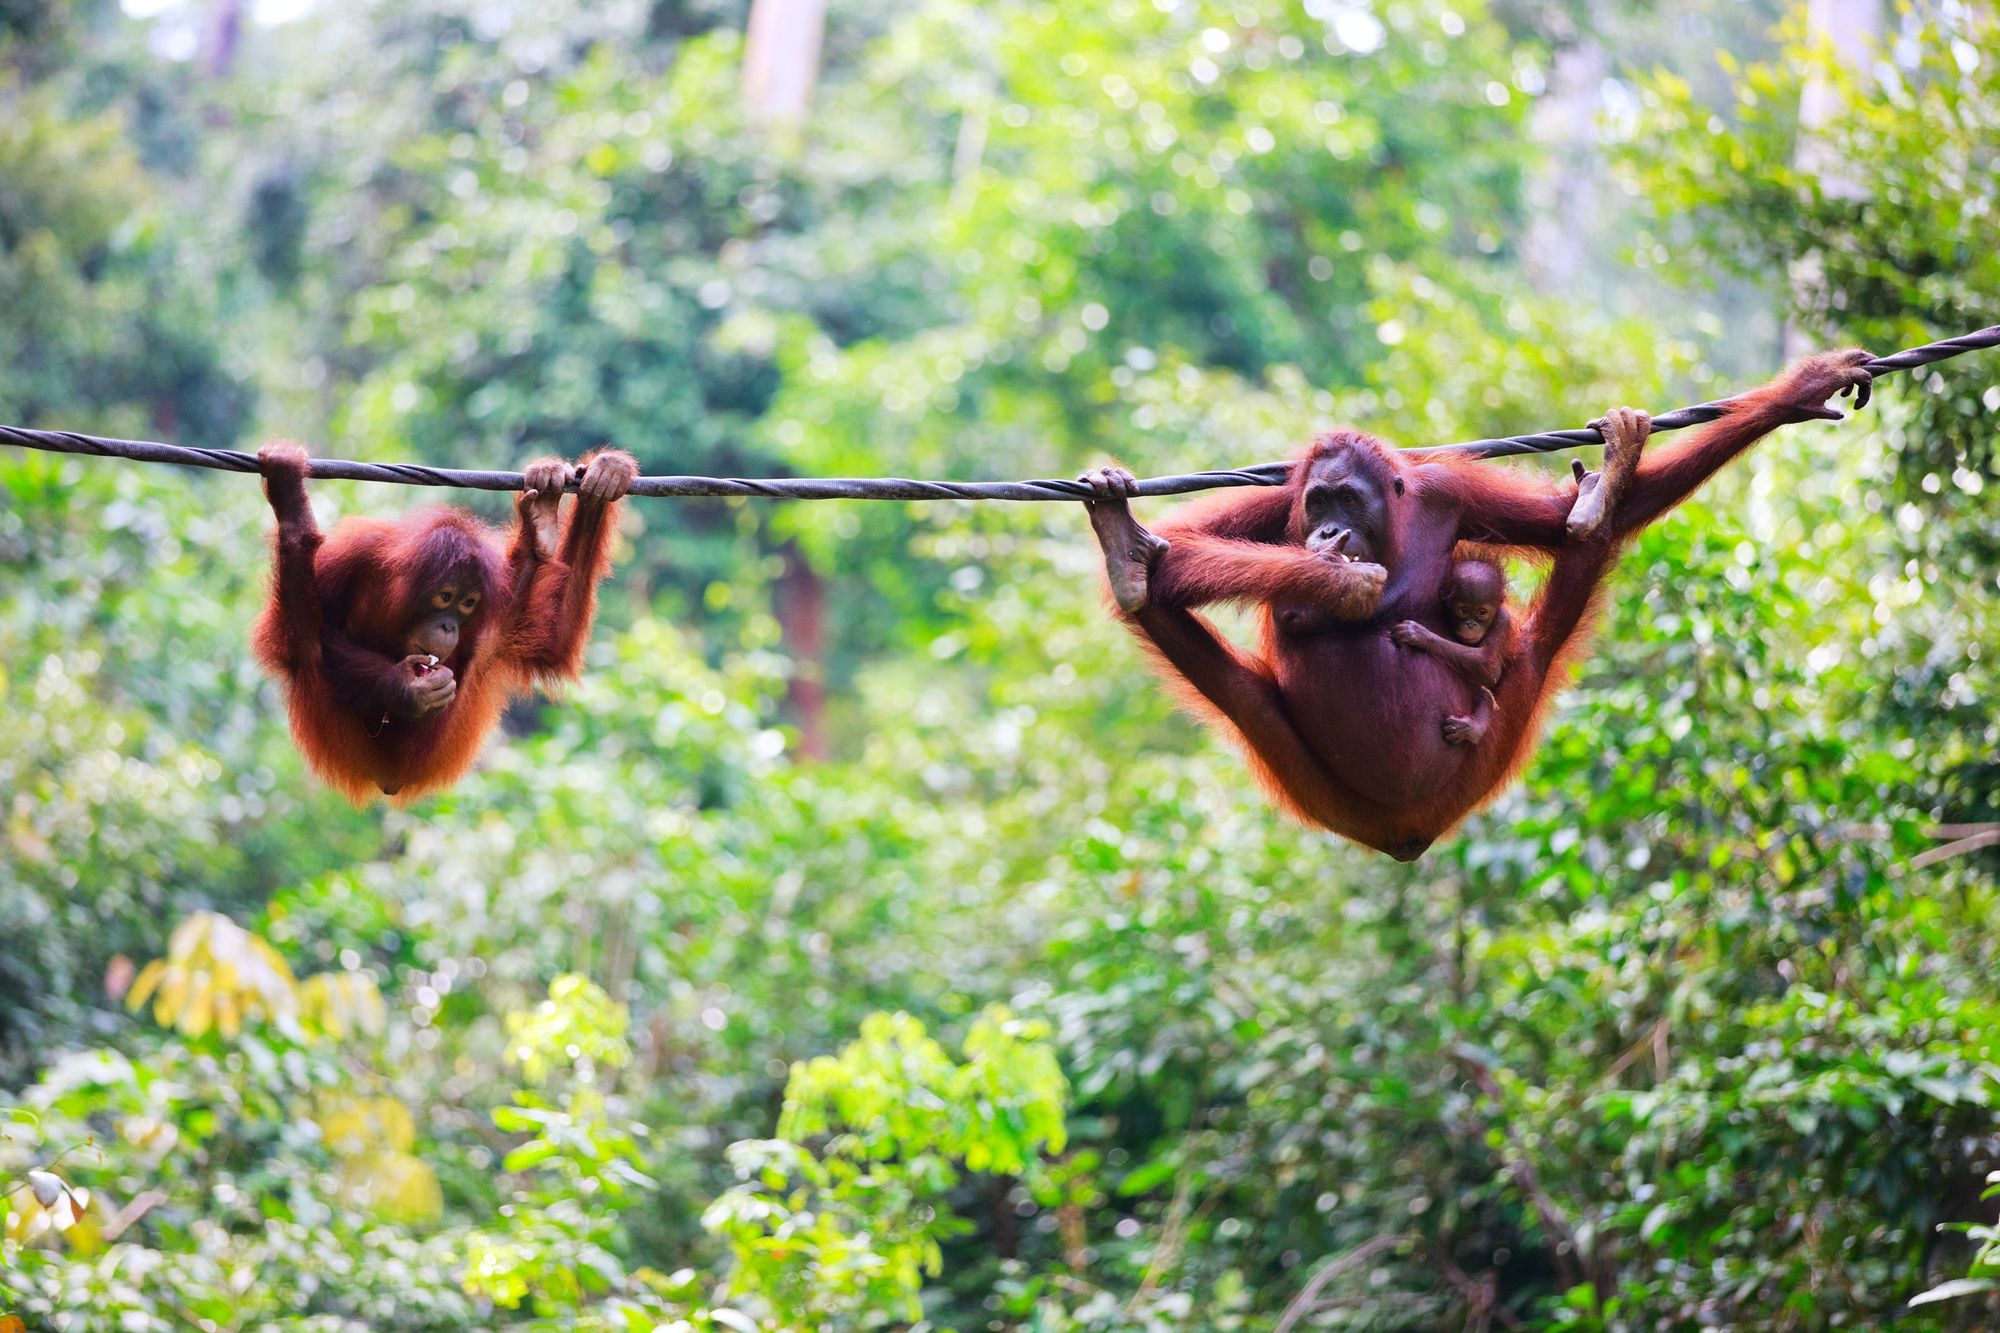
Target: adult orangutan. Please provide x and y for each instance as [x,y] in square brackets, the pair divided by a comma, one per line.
[401,640]
[1341,720]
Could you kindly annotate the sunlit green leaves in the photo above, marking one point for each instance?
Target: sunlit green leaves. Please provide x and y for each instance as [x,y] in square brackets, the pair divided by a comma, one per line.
[1742,1040]
[577,1027]
[829,1239]
[895,1093]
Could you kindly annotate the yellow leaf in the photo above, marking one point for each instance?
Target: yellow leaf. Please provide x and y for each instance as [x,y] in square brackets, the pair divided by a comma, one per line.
[397,1185]
[149,977]
[85,1236]
[228,1018]
[330,1016]
[344,1130]
[189,934]
[216,974]
[374,1014]
[200,1008]
[399,1131]
[173,996]
[274,960]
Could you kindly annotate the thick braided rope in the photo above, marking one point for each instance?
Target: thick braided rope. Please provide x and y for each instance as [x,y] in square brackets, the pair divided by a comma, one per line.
[897,488]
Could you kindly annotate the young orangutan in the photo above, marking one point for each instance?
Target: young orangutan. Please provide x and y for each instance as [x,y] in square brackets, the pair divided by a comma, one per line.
[399,641]
[1474,597]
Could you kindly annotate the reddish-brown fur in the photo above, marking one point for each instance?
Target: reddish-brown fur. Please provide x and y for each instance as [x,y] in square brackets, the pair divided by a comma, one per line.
[1341,724]
[342,605]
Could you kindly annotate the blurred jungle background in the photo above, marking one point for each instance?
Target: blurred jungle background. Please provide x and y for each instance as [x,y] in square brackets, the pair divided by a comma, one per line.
[867,943]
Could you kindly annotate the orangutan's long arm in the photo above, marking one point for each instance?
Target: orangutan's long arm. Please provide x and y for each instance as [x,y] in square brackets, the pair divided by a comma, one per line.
[1511,510]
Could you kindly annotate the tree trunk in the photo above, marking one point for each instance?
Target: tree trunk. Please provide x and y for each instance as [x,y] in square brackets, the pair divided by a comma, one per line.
[1854,27]
[780,67]
[781,57]
[799,601]
[1567,188]
[220,37]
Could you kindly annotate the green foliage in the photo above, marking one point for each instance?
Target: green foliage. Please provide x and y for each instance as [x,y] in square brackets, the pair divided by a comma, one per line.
[902,1099]
[106,323]
[843,1238]
[577,1025]
[575,1169]
[1985,1276]
[1695,1026]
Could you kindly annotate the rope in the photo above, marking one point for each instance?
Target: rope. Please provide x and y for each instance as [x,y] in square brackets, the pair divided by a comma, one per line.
[897,488]
[1549,441]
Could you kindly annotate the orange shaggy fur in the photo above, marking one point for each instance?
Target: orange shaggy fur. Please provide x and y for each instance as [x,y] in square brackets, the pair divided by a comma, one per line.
[1339,724]
[340,611]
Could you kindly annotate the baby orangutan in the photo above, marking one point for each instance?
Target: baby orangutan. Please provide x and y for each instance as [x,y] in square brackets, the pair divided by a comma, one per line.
[1475,608]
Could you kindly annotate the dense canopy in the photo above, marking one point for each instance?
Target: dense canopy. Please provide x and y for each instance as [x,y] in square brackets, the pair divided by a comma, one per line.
[866,942]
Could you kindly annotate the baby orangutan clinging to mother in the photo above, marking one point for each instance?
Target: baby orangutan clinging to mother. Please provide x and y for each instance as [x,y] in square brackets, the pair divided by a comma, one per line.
[1340,720]
[1474,597]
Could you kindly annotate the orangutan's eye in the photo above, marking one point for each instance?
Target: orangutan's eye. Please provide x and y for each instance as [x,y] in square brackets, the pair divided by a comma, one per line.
[468,604]
[444,597]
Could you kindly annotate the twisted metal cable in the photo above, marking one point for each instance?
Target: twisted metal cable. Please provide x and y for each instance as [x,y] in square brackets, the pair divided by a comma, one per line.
[897,488]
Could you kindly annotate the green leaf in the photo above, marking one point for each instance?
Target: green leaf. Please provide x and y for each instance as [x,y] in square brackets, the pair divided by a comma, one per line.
[1958,1286]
